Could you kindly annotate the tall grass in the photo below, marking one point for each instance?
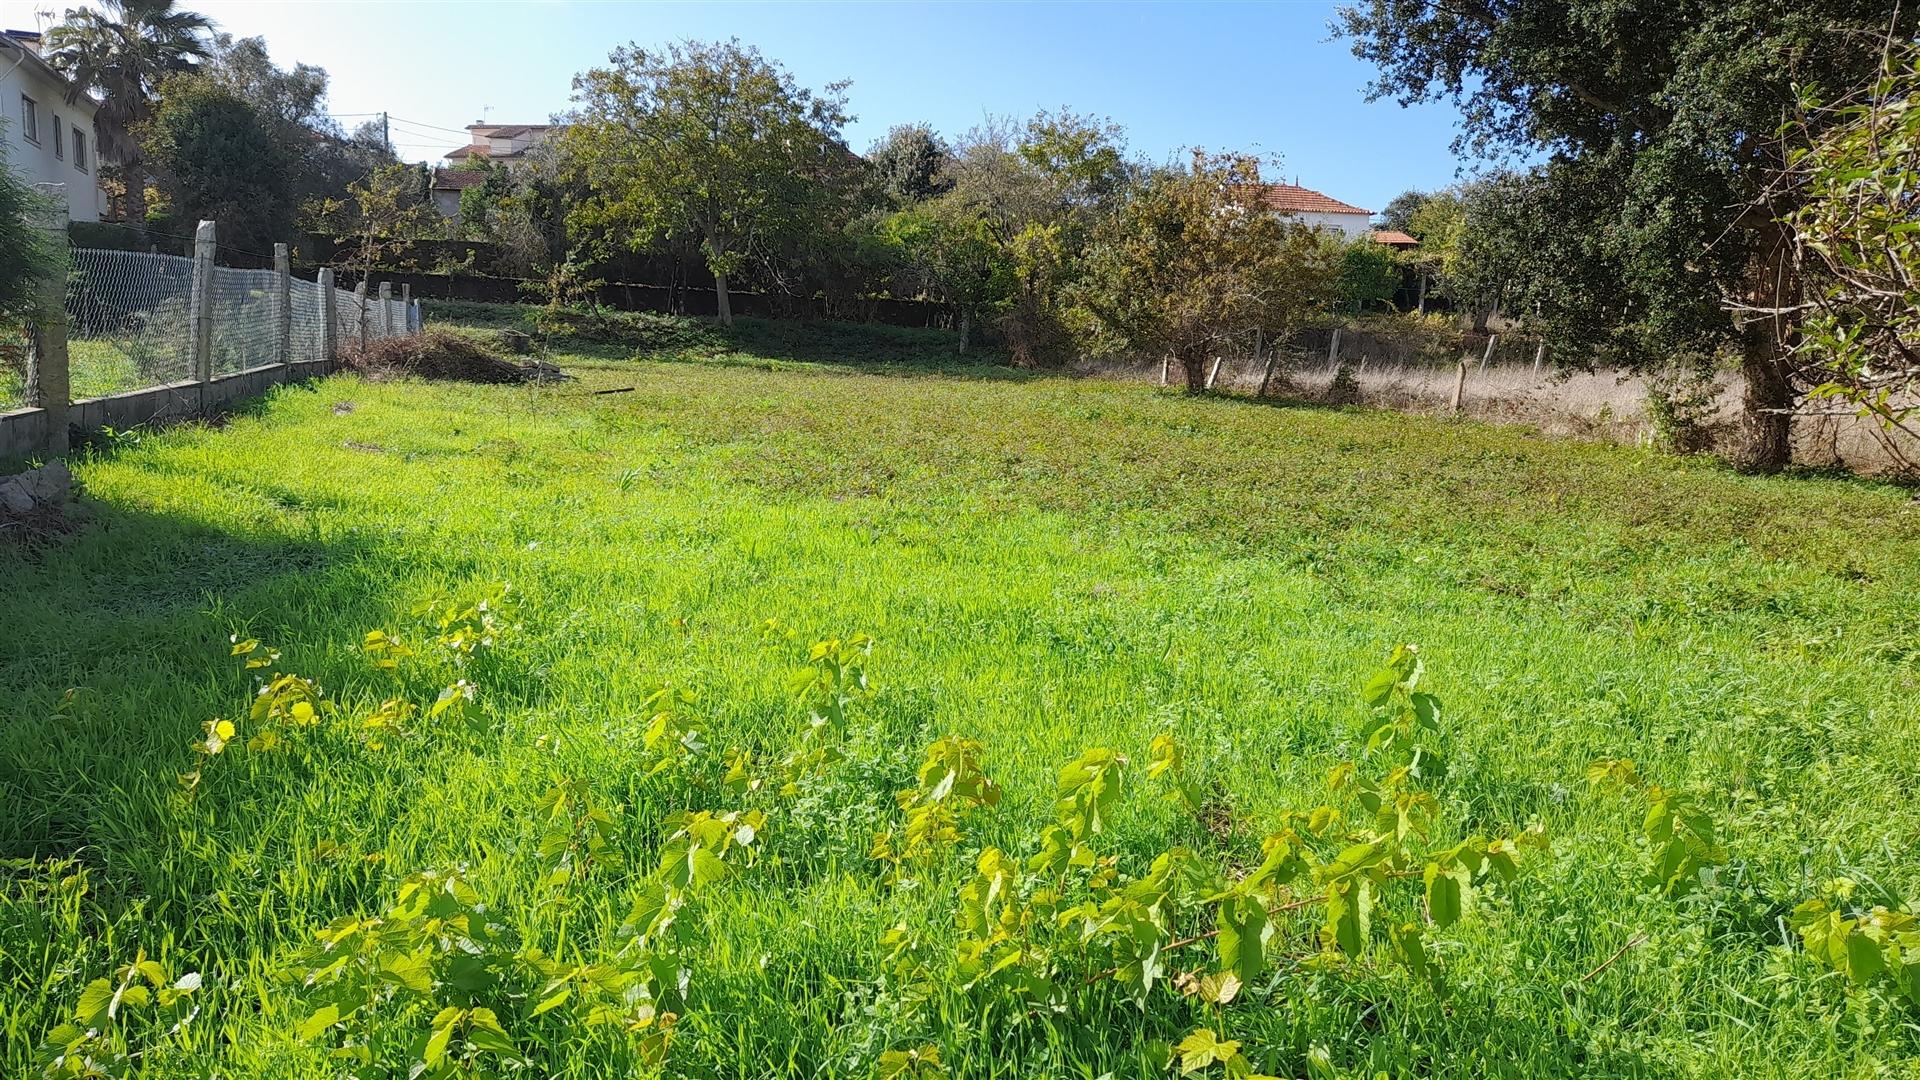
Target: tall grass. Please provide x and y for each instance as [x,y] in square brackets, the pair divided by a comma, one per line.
[1047,565]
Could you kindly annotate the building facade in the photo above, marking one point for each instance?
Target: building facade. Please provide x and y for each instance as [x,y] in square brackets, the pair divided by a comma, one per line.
[504,145]
[49,139]
[1317,211]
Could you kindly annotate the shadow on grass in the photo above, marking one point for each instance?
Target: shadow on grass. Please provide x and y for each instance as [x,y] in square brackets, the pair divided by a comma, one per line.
[114,653]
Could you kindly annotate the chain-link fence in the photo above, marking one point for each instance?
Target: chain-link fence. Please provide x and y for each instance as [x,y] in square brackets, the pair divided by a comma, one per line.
[129,321]
[130,324]
[151,336]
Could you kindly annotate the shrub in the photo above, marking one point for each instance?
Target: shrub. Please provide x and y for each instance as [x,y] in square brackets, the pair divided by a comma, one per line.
[1681,405]
[644,331]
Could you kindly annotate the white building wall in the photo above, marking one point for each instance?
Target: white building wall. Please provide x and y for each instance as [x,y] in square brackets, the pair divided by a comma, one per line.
[36,161]
[1351,226]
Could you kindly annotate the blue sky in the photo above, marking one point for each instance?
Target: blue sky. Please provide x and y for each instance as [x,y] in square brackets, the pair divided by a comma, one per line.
[1261,77]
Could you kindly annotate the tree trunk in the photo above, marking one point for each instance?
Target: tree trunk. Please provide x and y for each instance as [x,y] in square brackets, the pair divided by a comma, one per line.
[720,298]
[1767,418]
[966,327]
[133,200]
[1196,369]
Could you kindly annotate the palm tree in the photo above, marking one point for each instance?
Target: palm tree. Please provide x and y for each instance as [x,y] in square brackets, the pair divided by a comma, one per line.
[122,50]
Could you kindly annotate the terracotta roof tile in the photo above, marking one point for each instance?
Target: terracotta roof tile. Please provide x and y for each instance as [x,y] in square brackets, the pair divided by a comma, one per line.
[1293,199]
[1393,238]
[457,179]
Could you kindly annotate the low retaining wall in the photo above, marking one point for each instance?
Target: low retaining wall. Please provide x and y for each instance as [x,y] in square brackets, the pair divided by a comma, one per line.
[23,432]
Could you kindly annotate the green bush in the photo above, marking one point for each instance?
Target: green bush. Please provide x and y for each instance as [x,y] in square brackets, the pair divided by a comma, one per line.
[643,331]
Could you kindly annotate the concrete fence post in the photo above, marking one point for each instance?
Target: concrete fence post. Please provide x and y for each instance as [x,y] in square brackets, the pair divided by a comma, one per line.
[406,308]
[49,382]
[329,317]
[201,304]
[360,312]
[283,304]
[386,309]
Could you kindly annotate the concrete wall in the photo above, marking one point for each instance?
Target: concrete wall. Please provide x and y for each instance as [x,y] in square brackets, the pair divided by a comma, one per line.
[23,431]
[58,121]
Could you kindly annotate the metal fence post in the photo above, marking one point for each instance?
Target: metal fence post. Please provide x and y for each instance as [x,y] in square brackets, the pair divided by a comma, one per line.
[49,383]
[360,311]
[386,309]
[329,311]
[201,304]
[283,304]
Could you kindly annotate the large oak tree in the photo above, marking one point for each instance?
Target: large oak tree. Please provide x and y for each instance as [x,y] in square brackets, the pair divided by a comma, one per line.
[1658,120]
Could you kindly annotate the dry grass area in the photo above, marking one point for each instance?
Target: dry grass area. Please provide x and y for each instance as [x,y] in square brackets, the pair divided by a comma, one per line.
[1608,406]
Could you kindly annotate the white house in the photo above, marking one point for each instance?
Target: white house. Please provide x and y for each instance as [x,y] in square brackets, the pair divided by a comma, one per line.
[499,144]
[1318,211]
[49,139]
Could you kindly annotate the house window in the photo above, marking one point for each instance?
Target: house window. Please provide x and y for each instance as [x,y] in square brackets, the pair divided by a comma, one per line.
[59,138]
[79,150]
[29,120]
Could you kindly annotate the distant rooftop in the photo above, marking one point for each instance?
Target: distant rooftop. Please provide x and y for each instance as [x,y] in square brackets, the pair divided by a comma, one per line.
[1294,199]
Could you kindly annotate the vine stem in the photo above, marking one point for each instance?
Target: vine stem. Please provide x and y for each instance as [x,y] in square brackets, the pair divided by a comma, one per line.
[1632,943]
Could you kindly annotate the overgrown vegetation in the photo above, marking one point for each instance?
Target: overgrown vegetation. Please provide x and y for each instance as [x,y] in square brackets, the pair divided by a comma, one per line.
[439,353]
[311,790]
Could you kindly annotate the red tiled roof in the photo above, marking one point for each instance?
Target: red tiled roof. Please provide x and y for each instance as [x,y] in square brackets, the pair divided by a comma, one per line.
[1293,199]
[1393,238]
[457,179]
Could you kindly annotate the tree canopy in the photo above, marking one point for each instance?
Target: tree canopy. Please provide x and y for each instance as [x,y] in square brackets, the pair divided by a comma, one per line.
[703,139]
[1194,262]
[124,49]
[218,159]
[1658,128]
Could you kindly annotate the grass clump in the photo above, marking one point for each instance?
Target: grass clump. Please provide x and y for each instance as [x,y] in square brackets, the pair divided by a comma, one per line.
[1098,794]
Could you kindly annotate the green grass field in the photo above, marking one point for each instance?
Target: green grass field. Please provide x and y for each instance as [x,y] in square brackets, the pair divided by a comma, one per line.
[1046,566]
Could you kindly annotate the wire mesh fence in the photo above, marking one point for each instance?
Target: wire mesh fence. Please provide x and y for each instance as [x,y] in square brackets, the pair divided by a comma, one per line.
[309,317]
[129,321]
[130,324]
[246,330]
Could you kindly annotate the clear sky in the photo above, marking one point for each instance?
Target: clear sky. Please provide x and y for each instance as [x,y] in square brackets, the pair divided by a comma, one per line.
[1262,77]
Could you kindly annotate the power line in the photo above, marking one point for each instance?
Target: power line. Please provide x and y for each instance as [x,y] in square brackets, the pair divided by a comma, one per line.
[433,127]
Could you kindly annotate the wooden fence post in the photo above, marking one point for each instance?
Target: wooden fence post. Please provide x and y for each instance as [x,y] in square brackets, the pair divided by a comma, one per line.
[1333,351]
[360,312]
[49,381]
[1214,371]
[1460,384]
[283,304]
[201,305]
[386,309]
[1164,361]
[1539,354]
[329,313]
[1493,340]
